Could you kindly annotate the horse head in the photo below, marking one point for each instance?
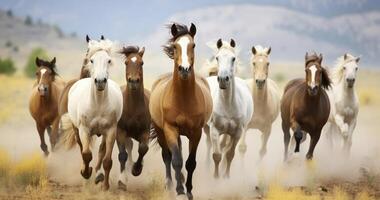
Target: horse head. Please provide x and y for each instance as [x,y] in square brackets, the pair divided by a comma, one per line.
[260,63]
[45,74]
[226,60]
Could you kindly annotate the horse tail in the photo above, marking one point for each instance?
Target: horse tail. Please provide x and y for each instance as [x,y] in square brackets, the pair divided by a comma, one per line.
[68,136]
[153,137]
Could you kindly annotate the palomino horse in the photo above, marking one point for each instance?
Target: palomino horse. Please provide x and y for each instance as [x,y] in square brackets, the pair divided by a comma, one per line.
[343,100]
[135,121]
[266,98]
[180,104]
[43,103]
[84,73]
[305,106]
[232,105]
[94,107]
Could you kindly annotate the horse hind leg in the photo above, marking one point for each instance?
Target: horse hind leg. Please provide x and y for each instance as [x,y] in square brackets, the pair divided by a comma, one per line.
[231,152]
[243,144]
[41,133]
[53,135]
[99,172]
[217,155]
[129,148]
[143,149]
[208,143]
[123,157]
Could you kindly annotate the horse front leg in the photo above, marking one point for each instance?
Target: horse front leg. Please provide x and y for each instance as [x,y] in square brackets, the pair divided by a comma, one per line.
[314,138]
[143,149]
[297,133]
[264,140]
[121,137]
[85,139]
[216,155]
[285,129]
[243,144]
[172,137]
[41,133]
[348,139]
[206,129]
[191,162]
[230,154]
[54,133]
[107,160]
[98,169]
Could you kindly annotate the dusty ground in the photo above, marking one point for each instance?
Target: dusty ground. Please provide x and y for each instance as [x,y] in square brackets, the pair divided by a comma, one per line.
[328,176]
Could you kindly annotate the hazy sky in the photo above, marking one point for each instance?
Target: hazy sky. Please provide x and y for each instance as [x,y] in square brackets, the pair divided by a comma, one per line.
[132,20]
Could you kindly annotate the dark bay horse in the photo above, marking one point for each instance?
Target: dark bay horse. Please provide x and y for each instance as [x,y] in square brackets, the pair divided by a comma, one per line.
[305,106]
[135,120]
[180,104]
[43,104]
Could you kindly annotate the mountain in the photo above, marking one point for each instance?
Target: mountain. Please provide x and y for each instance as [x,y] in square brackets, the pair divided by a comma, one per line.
[290,33]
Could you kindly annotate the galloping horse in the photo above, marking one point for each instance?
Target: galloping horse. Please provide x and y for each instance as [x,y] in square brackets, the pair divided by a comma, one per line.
[266,98]
[305,106]
[180,104]
[343,100]
[135,121]
[94,108]
[43,103]
[232,105]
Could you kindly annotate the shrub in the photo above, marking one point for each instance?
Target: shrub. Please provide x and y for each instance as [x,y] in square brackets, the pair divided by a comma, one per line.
[30,68]
[9,13]
[7,66]
[8,44]
[28,21]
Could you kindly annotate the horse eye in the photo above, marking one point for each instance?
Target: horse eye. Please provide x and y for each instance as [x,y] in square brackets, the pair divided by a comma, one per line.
[92,61]
[142,63]
[267,64]
[109,61]
[217,59]
[344,68]
[356,69]
[233,59]
[193,46]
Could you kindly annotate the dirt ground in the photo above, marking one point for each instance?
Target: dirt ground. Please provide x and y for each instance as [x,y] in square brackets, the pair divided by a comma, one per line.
[329,176]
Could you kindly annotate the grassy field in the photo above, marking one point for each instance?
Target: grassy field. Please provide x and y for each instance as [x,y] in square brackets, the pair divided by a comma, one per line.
[26,174]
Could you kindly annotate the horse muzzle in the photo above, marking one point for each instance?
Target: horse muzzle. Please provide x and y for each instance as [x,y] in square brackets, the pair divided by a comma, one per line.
[350,82]
[184,73]
[100,83]
[43,90]
[313,90]
[223,82]
[133,84]
[260,83]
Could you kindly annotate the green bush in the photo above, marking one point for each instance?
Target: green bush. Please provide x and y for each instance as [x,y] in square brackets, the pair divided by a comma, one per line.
[30,68]
[28,21]
[7,66]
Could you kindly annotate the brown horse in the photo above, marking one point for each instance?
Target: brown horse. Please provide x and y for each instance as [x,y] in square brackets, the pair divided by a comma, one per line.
[135,121]
[305,106]
[180,104]
[43,104]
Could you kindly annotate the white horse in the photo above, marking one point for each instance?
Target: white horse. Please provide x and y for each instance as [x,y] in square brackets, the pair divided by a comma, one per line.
[344,100]
[94,108]
[266,98]
[232,106]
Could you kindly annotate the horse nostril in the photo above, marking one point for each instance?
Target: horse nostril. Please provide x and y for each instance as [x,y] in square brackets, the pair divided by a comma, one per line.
[105,80]
[227,78]
[137,80]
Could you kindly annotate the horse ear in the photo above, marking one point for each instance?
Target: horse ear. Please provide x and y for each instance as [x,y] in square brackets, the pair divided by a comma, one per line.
[306,56]
[87,38]
[357,59]
[102,37]
[320,58]
[174,30]
[254,50]
[345,56]
[219,43]
[52,62]
[268,51]
[232,43]
[193,30]
[38,62]
[141,52]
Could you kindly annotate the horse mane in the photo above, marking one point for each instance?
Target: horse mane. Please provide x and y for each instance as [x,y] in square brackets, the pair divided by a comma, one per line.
[126,51]
[326,81]
[181,31]
[52,67]
[337,70]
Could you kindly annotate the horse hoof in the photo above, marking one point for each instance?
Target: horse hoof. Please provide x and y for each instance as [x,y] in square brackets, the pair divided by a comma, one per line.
[121,186]
[86,173]
[99,178]
[181,197]
[136,169]
[309,157]
[190,196]
[169,184]
[105,187]
[216,175]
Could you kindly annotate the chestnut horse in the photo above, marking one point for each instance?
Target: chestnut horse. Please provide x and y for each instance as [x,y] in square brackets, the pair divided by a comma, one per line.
[305,106]
[180,104]
[43,103]
[135,120]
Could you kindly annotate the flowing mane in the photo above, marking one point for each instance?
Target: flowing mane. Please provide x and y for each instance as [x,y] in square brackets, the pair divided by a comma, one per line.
[337,71]
[168,47]
[126,51]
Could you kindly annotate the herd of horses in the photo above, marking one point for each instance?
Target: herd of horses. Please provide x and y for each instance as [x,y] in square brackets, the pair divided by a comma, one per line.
[220,104]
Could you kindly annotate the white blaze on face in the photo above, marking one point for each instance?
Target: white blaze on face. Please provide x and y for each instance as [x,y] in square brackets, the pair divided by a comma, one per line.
[43,71]
[133,59]
[313,70]
[183,42]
